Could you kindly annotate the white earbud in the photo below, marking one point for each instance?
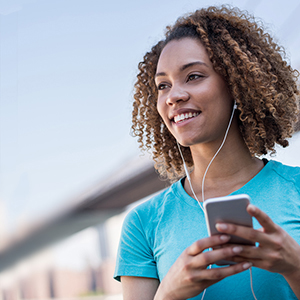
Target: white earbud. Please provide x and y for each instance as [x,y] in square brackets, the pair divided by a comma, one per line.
[234,105]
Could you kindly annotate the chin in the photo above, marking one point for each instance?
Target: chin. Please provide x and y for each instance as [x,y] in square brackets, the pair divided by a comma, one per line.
[186,142]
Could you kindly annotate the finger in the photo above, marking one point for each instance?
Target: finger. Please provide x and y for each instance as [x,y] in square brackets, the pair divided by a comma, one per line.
[259,262]
[220,273]
[263,219]
[211,257]
[247,233]
[251,252]
[255,262]
[206,243]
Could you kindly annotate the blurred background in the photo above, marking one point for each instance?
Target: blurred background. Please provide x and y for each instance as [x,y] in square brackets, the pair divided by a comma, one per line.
[69,169]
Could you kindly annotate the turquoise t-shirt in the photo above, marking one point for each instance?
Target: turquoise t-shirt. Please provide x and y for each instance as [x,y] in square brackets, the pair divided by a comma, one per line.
[156,232]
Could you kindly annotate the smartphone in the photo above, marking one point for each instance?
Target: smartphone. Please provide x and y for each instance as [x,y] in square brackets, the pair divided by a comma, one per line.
[228,209]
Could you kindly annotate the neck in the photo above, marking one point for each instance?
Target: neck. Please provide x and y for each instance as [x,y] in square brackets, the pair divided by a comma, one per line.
[231,169]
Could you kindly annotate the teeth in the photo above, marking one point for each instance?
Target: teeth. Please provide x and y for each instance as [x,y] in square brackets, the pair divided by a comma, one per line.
[185,116]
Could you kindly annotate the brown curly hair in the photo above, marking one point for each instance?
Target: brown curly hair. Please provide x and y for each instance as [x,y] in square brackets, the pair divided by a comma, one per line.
[260,80]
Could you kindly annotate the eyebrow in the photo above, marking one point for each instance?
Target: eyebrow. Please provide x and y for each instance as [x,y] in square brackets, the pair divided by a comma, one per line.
[182,68]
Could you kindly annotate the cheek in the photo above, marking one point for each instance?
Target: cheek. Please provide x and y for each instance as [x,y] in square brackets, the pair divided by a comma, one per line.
[160,109]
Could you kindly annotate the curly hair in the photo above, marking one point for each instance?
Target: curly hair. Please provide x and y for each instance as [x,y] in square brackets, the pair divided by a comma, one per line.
[263,85]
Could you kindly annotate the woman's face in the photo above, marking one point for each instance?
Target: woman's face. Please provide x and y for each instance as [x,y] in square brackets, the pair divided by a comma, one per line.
[193,100]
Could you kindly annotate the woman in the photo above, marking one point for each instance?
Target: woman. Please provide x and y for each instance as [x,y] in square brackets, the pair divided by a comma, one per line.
[185,101]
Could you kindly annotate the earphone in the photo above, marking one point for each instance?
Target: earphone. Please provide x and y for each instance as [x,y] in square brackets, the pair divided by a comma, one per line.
[208,166]
[203,181]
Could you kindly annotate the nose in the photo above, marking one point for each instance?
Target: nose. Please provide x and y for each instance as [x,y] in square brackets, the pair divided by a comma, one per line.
[176,95]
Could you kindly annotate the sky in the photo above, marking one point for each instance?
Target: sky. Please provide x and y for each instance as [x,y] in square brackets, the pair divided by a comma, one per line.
[67,69]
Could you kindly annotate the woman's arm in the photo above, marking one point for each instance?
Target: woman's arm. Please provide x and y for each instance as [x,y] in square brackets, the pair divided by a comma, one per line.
[189,275]
[293,280]
[139,288]
[277,252]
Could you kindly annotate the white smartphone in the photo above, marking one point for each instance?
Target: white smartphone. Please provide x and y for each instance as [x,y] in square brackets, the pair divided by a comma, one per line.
[228,209]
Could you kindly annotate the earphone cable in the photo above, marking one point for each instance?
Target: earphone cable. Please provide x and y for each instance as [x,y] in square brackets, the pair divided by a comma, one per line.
[222,144]
[188,176]
[203,181]
[208,166]
[251,283]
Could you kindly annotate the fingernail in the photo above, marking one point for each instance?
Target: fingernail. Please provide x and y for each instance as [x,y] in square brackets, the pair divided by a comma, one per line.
[224,238]
[221,226]
[252,208]
[237,249]
[247,265]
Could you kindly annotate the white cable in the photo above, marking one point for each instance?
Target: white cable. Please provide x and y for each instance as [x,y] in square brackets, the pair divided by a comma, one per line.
[188,176]
[203,294]
[203,180]
[251,284]
[186,169]
[222,144]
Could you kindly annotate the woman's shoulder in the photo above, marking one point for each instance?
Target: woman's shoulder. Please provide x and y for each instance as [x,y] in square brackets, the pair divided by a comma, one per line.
[287,172]
[285,169]
[151,208]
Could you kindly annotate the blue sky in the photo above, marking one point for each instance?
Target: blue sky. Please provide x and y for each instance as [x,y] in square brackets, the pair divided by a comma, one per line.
[67,69]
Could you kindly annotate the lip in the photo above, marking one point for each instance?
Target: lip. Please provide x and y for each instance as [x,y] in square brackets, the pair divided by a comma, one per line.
[182,111]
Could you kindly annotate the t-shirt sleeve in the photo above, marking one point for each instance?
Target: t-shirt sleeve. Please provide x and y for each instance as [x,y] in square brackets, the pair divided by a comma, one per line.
[135,256]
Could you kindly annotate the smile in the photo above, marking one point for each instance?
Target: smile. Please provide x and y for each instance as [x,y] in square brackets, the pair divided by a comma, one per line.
[186,116]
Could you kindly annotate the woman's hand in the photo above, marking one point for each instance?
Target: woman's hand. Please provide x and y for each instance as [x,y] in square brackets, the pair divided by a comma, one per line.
[277,251]
[189,275]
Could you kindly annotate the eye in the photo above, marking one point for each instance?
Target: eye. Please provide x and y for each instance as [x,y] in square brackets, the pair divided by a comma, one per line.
[194,77]
[161,86]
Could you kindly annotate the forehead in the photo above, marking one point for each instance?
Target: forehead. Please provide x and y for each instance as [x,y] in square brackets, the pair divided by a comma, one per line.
[180,52]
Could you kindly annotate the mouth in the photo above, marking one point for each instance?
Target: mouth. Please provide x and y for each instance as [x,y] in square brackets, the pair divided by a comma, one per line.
[185,116]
